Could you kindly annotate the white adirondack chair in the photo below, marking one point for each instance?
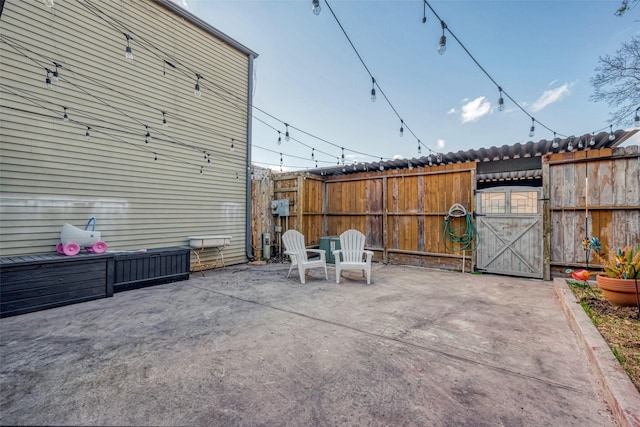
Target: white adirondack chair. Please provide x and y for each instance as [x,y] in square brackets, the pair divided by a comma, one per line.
[352,255]
[294,247]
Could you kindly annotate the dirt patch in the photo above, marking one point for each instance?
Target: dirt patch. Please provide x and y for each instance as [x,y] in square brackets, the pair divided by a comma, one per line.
[619,326]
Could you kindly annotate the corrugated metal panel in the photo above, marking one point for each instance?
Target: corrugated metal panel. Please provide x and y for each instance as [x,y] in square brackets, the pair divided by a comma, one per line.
[506,152]
[51,174]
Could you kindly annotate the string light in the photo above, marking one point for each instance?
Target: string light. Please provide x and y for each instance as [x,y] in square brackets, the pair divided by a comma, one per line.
[65,118]
[155,156]
[501,100]
[570,145]
[580,144]
[342,154]
[442,44]
[611,134]
[373,89]
[430,161]
[201,169]
[439,158]
[48,3]
[410,166]
[401,128]
[128,52]
[233,148]
[164,120]
[47,81]
[147,137]
[532,130]
[87,134]
[555,141]
[315,7]
[592,141]
[196,90]
[313,155]
[54,73]
[419,147]
[279,138]
[424,13]
[381,166]
[286,133]
[636,119]
[316,163]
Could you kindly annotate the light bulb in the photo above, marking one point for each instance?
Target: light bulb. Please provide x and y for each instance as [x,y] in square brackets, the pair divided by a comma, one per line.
[315,7]
[233,147]
[164,120]
[48,3]
[570,146]
[279,138]
[373,95]
[155,156]
[87,134]
[636,119]
[410,166]
[430,161]
[286,133]
[381,167]
[500,100]
[196,90]
[401,128]
[419,148]
[592,141]
[65,118]
[47,81]
[580,144]
[532,130]
[55,75]
[442,45]
[128,53]
[611,134]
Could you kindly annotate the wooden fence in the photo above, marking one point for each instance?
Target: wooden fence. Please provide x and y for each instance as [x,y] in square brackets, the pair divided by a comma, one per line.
[592,193]
[402,211]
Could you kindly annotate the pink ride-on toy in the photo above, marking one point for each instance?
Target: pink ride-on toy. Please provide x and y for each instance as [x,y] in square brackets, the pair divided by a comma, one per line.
[72,238]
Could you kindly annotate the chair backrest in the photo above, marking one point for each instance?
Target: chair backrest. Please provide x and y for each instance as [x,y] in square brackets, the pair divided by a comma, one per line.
[294,242]
[352,245]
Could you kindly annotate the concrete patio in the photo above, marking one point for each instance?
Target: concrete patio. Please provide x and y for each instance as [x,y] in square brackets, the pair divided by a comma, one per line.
[247,346]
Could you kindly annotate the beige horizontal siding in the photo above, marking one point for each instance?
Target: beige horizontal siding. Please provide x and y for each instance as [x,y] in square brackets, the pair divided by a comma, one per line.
[50,174]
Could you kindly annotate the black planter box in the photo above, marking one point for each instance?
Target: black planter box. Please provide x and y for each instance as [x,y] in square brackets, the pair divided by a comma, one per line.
[41,281]
[155,266]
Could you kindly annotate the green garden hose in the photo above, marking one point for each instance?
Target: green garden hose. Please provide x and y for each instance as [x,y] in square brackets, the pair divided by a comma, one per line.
[463,238]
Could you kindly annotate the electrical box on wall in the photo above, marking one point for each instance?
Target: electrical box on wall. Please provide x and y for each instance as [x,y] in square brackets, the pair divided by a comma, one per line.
[274,207]
[283,207]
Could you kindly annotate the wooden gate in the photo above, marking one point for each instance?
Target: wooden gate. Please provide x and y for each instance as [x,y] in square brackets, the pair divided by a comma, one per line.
[509,225]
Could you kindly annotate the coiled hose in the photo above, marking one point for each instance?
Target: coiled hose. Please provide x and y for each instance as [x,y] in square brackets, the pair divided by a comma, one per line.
[463,238]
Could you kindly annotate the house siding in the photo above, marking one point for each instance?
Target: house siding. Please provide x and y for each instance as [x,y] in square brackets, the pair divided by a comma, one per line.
[51,174]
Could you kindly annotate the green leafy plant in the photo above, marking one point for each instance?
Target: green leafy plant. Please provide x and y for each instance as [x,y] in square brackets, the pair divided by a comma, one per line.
[621,264]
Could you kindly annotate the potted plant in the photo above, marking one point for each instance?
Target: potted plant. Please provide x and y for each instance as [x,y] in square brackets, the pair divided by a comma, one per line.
[619,283]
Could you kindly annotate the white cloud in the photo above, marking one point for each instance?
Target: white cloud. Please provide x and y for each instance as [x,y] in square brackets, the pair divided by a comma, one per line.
[441,143]
[182,3]
[473,110]
[550,96]
[452,111]
[398,157]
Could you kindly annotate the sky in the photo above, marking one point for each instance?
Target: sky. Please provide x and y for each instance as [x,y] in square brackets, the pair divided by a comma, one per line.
[542,53]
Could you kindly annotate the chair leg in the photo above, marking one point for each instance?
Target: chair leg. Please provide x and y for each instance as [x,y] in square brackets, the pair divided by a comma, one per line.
[326,276]
[337,274]
[368,277]
[301,270]
[290,268]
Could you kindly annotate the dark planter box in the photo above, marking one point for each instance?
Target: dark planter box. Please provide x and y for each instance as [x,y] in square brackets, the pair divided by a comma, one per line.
[155,266]
[41,281]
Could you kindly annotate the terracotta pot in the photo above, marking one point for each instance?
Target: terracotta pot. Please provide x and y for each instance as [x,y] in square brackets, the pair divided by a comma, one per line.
[621,292]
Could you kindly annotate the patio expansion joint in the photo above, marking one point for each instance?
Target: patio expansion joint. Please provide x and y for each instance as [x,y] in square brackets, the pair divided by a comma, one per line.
[399,341]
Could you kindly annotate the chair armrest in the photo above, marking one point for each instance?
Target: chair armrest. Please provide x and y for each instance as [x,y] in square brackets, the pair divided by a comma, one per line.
[369,255]
[336,255]
[320,252]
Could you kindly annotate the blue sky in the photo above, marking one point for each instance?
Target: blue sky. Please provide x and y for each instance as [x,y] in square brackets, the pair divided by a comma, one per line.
[542,53]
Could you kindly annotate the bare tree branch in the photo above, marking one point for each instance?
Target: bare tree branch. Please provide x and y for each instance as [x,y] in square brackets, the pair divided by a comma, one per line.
[617,80]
